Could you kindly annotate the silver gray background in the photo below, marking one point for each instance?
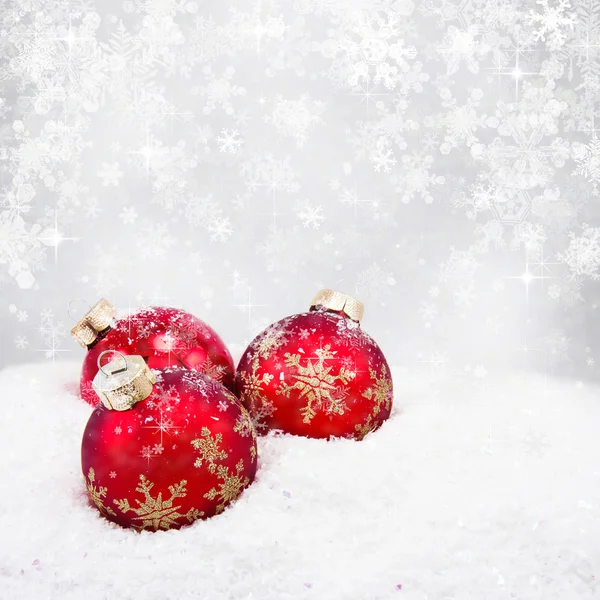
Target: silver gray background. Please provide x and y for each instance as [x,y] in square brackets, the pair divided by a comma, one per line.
[438,160]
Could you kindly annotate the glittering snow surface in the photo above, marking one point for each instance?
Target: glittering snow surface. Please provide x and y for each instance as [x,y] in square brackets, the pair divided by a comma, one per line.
[483,491]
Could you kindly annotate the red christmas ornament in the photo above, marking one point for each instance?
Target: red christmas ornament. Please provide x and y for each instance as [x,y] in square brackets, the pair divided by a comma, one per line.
[317,374]
[163,336]
[164,448]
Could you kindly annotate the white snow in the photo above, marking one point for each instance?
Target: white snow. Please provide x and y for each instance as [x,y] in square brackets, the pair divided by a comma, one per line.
[429,507]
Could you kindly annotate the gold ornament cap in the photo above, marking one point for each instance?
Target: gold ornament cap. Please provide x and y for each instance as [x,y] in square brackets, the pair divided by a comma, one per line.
[339,302]
[97,319]
[123,382]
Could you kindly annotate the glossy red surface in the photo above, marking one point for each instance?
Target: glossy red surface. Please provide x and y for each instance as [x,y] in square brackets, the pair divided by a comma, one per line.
[165,337]
[316,374]
[184,453]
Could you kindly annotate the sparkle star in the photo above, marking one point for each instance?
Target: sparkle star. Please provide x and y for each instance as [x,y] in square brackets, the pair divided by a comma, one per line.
[366,94]
[53,237]
[249,306]
[164,426]
[515,71]
[541,270]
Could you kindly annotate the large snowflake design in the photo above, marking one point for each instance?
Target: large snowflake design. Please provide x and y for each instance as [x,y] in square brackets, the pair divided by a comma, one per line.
[243,424]
[363,430]
[583,254]
[207,446]
[380,392]
[230,487]
[156,513]
[270,340]
[553,22]
[252,384]
[372,46]
[587,159]
[97,493]
[316,383]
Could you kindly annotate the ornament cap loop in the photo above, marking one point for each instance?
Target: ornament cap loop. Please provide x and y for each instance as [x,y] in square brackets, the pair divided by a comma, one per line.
[336,301]
[96,320]
[101,368]
[123,382]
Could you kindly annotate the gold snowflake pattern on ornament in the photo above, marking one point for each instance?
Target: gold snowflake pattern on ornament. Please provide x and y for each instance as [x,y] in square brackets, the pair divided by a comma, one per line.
[243,424]
[230,488]
[209,450]
[252,387]
[366,428]
[381,392]
[97,494]
[245,427]
[316,383]
[272,338]
[156,513]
